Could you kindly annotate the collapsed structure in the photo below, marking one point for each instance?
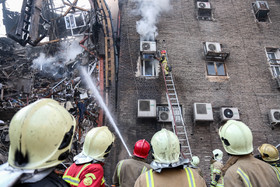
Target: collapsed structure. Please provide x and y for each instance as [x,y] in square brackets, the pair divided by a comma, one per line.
[41,58]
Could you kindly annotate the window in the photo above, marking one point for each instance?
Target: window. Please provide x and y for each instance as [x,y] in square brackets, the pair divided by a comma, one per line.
[148,65]
[273,58]
[216,69]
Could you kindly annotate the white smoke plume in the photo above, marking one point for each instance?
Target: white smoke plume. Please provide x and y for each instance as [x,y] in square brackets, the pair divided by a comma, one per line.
[150,10]
[54,65]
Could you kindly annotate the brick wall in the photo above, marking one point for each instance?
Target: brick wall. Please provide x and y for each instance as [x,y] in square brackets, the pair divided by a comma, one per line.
[249,86]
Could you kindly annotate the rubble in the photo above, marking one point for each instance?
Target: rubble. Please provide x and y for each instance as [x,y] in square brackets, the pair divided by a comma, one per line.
[27,75]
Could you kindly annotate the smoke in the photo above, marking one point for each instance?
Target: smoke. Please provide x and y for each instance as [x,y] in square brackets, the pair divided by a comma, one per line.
[150,10]
[54,66]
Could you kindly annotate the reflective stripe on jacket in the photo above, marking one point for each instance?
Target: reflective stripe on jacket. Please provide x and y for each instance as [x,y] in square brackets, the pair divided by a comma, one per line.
[73,180]
[277,171]
[90,175]
[178,177]
[247,171]
[216,170]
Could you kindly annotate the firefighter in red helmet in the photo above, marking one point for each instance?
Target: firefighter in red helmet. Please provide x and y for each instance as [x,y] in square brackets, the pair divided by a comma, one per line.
[128,170]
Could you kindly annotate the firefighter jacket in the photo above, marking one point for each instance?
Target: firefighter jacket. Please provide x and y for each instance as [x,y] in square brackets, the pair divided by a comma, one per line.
[199,171]
[179,177]
[247,171]
[276,168]
[127,171]
[216,173]
[84,175]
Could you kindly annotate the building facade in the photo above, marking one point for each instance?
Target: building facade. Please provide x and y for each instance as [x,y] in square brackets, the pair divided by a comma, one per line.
[225,53]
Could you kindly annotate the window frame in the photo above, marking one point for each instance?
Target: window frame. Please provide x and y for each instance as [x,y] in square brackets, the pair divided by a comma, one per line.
[273,63]
[148,60]
[216,69]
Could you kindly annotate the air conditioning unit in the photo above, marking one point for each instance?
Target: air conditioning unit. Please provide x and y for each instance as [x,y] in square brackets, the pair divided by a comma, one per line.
[262,5]
[164,116]
[203,5]
[203,112]
[213,47]
[147,108]
[148,46]
[261,10]
[274,116]
[229,113]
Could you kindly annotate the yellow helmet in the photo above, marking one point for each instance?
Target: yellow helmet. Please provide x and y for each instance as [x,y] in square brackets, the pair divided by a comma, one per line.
[195,161]
[41,135]
[166,147]
[98,143]
[268,152]
[217,154]
[236,137]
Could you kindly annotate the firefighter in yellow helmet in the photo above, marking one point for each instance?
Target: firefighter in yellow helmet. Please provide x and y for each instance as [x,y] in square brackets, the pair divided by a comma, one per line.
[40,139]
[216,167]
[168,168]
[195,162]
[242,169]
[87,169]
[270,155]
[163,61]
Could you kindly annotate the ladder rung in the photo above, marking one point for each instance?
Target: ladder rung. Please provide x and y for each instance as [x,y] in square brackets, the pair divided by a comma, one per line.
[187,153]
[183,146]
[182,139]
[172,94]
[180,133]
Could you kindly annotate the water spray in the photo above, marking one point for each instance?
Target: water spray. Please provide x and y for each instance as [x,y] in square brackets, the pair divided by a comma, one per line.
[93,88]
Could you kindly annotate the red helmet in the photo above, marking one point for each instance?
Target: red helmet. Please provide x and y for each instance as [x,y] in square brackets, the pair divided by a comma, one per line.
[163,52]
[141,149]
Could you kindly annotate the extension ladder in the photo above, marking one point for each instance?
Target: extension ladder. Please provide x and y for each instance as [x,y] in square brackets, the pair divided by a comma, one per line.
[178,124]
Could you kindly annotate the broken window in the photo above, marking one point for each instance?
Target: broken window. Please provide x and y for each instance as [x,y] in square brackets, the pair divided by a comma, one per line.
[261,11]
[273,58]
[148,65]
[75,21]
[216,69]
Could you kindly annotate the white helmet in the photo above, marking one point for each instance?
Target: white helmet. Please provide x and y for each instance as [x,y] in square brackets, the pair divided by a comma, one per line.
[195,161]
[41,135]
[98,143]
[166,147]
[217,154]
[236,137]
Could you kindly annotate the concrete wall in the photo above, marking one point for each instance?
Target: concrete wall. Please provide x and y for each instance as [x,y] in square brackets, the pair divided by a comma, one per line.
[249,85]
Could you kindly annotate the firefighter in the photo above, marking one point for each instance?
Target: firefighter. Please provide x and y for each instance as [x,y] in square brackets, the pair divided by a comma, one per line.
[167,168]
[242,169]
[195,161]
[40,139]
[127,171]
[87,169]
[163,61]
[215,168]
[270,155]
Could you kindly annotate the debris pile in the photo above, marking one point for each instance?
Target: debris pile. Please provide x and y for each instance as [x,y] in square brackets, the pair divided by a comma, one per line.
[30,73]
